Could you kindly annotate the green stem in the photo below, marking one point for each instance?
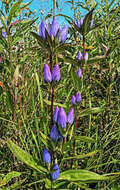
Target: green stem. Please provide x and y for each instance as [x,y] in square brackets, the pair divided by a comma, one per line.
[54,8]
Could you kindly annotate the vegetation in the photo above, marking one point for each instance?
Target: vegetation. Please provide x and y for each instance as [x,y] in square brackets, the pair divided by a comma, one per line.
[71,82]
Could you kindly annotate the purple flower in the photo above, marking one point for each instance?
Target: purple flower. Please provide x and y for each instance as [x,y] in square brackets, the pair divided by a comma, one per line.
[4,34]
[42,28]
[78,97]
[79,22]
[56,73]
[54,133]
[92,22]
[47,74]
[62,118]
[86,56]
[73,100]
[70,116]
[55,175]
[64,33]
[54,28]
[55,114]
[79,73]
[46,156]
[79,55]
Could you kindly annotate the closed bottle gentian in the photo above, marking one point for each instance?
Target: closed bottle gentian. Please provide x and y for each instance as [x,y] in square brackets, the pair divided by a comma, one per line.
[47,74]
[86,56]
[70,116]
[54,133]
[56,73]
[42,28]
[79,55]
[46,156]
[79,73]
[55,175]
[54,28]
[92,23]
[55,114]
[62,118]
[64,33]
[79,22]
[73,100]
[78,97]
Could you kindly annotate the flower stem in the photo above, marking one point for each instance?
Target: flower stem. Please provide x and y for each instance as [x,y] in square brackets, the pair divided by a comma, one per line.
[52,91]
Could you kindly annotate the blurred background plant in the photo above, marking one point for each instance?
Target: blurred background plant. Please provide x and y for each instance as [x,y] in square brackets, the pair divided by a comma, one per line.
[25,99]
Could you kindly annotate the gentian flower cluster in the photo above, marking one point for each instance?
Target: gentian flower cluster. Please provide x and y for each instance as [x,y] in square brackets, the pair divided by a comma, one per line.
[80,56]
[79,22]
[76,99]
[53,31]
[48,76]
[47,160]
[61,119]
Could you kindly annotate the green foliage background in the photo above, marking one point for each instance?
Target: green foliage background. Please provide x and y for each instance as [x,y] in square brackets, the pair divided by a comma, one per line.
[25,101]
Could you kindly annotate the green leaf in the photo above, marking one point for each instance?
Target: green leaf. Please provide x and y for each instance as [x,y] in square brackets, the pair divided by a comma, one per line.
[54,104]
[81,175]
[8,177]
[25,157]
[90,154]
[13,10]
[84,139]
[76,80]
[90,111]
[41,42]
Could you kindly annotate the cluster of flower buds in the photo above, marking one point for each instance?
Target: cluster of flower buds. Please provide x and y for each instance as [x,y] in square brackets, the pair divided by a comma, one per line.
[80,56]
[79,22]
[76,99]
[48,76]
[61,119]
[47,160]
[53,31]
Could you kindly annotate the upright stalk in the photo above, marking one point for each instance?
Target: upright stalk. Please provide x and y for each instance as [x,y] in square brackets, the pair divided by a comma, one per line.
[52,90]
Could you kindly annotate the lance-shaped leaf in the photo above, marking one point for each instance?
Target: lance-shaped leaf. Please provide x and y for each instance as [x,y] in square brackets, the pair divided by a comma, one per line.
[25,157]
[9,177]
[40,40]
[82,175]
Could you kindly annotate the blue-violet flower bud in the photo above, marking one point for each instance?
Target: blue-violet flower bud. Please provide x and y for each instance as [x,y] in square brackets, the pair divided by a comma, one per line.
[4,34]
[73,100]
[47,74]
[79,73]
[54,133]
[62,118]
[78,23]
[64,33]
[55,175]
[56,73]
[54,28]
[42,28]
[70,116]
[81,21]
[78,97]
[92,22]
[46,156]
[55,114]
[86,56]
[79,55]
